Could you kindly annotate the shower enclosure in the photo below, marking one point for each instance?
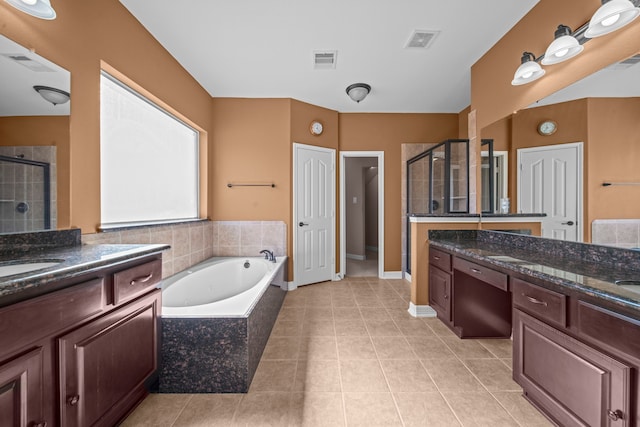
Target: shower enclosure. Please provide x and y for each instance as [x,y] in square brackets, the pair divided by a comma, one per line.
[25,194]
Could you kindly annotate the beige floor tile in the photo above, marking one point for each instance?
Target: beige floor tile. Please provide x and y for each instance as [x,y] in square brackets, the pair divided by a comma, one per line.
[382,328]
[343,301]
[478,409]
[315,409]
[438,327]
[371,410]
[158,410]
[451,375]
[318,347]
[318,375]
[425,409]
[355,347]
[294,299]
[314,301]
[508,363]
[291,313]
[413,327]
[393,348]
[394,302]
[370,301]
[284,348]
[407,375]
[362,375]
[346,313]
[350,327]
[467,349]
[286,328]
[318,313]
[523,412]
[401,314]
[493,374]
[429,347]
[316,327]
[274,375]
[374,313]
[500,348]
[209,410]
[264,409]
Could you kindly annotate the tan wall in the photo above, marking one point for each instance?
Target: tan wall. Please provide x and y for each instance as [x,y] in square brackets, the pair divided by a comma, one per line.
[614,156]
[387,132]
[492,94]
[83,34]
[44,130]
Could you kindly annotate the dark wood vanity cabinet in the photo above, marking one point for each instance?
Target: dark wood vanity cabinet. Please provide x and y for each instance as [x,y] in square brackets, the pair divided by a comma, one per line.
[76,357]
[440,284]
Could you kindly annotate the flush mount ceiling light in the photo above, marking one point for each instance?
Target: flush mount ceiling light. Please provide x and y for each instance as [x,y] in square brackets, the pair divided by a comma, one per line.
[53,95]
[563,47]
[528,71]
[612,15]
[39,8]
[358,91]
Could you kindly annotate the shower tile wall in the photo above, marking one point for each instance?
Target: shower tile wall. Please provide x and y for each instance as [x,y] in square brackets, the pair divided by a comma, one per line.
[195,242]
[23,183]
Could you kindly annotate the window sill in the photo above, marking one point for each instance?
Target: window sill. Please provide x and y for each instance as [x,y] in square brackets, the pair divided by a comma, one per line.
[136,226]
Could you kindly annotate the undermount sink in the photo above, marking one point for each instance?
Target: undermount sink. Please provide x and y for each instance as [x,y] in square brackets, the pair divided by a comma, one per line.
[632,285]
[26,267]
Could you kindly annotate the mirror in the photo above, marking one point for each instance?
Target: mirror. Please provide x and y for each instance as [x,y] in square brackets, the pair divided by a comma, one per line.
[601,112]
[32,132]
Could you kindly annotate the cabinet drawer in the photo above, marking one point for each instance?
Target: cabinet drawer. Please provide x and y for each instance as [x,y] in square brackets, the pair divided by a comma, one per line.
[610,330]
[543,303]
[492,277]
[28,321]
[134,281]
[440,259]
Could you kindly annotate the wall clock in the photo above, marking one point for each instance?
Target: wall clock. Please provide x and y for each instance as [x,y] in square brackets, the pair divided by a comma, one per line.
[316,128]
[547,127]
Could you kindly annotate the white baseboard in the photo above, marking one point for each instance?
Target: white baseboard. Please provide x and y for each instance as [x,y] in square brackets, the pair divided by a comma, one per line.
[392,275]
[357,257]
[289,286]
[407,276]
[421,310]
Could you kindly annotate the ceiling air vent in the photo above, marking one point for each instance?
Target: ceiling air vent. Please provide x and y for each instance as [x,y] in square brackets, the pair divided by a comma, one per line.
[421,39]
[324,60]
[28,62]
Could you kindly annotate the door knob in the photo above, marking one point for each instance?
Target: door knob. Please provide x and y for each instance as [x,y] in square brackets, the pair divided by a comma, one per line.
[302,224]
[568,223]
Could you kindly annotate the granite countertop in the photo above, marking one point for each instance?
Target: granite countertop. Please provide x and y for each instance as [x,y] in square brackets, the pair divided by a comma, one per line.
[74,261]
[587,269]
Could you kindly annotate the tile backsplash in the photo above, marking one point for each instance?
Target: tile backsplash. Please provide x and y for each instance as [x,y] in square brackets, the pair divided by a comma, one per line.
[622,233]
[192,243]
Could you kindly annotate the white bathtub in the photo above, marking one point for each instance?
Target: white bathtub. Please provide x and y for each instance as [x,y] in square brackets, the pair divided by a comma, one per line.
[218,287]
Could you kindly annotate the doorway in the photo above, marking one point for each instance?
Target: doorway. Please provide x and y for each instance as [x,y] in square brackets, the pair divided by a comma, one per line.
[362,213]
[550,182]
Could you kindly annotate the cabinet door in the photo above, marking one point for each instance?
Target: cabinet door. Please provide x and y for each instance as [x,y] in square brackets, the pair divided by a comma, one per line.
[103,364]
[575,384]
[21,391]
[440,292]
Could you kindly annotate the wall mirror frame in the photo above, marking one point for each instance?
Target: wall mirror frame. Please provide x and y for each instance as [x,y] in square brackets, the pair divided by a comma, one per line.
[34,133]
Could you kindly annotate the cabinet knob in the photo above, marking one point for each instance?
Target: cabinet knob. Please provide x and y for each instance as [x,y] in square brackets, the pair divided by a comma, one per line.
[614,415]
[73,400]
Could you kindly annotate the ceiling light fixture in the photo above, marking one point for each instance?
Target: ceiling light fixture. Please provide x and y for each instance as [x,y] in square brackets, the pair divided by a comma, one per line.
[53,95]
[563,47]
[611,16]
[358,91]
[528,71]
[39,8]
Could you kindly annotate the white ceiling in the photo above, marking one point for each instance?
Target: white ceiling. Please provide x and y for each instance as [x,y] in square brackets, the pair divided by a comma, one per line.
[264,49]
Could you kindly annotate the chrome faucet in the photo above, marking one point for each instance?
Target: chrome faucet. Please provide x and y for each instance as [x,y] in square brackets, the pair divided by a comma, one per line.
[268,255]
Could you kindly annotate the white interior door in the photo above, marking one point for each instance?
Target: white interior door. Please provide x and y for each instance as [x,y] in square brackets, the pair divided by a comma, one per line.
[314,214]
[550,182]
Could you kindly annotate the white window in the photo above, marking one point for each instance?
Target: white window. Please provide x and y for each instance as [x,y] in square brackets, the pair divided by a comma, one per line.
[148,160]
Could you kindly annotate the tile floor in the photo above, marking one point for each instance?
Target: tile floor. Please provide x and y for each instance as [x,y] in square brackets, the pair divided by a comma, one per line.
[365,268]
[348,354]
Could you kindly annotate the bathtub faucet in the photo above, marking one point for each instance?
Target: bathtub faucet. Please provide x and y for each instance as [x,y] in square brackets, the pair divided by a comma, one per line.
[268,255]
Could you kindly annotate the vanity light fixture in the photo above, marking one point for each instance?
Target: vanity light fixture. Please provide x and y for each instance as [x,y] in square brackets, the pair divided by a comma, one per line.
[53,95]
[39,8]
[528,71]
[563,47]
[611,16]
[358,91]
